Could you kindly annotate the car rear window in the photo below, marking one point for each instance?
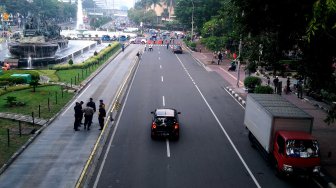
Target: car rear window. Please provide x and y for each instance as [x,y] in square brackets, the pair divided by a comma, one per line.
[165,112]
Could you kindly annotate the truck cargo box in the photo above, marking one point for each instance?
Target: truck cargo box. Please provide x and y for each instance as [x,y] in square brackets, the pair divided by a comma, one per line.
[265,114]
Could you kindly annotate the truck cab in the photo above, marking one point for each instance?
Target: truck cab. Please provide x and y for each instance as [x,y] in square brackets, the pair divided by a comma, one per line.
[296,153]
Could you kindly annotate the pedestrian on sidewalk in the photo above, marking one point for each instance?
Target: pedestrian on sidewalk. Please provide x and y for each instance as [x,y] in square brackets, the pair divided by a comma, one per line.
[275,83]
[214,57]
[167,45]
[101,116]
[88,114]
[78,113]
[288,86]
[81,115]
[268,80]
[220,58]
[300,88]
[101,103]
[92,104]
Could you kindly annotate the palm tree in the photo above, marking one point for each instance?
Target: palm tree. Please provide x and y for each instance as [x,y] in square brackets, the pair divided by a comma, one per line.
[155,2]
[170,4]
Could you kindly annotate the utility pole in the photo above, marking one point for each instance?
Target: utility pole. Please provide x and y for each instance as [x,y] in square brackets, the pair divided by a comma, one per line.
[239,54]
[192,20]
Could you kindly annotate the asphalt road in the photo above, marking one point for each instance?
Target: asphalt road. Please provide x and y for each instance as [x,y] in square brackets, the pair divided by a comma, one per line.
[213,149]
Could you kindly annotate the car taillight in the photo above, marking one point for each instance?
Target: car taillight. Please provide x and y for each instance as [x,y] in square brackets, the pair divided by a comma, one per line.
[153,126]
[176,126]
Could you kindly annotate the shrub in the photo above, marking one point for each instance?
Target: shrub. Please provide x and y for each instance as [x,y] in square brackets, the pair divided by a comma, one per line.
[251,67]
[252,82]
[70,62]
[263,89]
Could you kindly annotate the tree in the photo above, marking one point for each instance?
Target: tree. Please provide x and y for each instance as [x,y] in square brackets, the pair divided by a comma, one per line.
[154,3]
[170,4]
[34,83]
[165,13]
[203,11]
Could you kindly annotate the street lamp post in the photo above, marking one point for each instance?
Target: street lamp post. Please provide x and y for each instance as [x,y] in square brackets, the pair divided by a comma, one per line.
[239,55]
[192,20]
[238,67]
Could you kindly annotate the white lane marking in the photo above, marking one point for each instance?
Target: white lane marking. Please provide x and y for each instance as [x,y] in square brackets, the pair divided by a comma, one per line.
[168,149]
[159,52]
[75,101]
[163,101]
[160,66]
[161,78]
[159,58]
[114,131]
[222,128]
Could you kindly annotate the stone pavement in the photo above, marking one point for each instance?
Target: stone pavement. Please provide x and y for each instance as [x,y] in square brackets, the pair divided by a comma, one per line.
[323,132]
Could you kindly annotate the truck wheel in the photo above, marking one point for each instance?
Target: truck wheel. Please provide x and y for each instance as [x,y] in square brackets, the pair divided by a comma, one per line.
[153,136]
[251,138]
[277,172]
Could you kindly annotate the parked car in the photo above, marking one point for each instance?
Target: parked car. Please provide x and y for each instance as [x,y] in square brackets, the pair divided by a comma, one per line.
[138,40]
[106,38]
[177,49]
[122,38]
[165,123]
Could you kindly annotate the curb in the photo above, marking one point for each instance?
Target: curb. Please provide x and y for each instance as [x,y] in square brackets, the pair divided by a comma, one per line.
[236,96]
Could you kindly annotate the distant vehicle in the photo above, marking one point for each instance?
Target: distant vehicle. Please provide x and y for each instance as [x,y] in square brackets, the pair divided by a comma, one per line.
[165,123]
[138,40]
[122,38]
[177,49]
[106,38]
[131,29]
[71,36]
[153,31]
[153,37]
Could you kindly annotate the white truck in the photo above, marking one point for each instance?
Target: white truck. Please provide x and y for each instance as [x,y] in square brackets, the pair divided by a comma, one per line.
[283,132]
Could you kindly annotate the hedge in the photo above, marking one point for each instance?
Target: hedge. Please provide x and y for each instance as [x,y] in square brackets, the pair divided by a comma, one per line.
[91,61]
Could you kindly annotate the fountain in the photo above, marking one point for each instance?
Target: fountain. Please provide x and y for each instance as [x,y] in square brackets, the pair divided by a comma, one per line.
[40,41]
[29,62]
[79,24]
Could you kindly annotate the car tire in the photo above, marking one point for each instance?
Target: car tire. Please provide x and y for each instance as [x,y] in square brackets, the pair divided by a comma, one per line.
[175,138]
[153,136]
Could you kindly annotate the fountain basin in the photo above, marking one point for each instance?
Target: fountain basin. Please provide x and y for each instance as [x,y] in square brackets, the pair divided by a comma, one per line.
[35,50]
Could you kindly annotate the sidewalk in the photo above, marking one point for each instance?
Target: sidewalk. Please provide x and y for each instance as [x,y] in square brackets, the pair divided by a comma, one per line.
[323,132]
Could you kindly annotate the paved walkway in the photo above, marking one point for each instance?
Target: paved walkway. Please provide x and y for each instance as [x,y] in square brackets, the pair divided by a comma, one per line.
[323,132]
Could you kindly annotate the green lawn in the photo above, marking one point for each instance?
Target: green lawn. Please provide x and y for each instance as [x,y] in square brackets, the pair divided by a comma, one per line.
[40,97]
[49,73]
[74,76]
[15,141]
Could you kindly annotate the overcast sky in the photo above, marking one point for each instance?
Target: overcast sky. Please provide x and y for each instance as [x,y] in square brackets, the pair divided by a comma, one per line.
[128,3]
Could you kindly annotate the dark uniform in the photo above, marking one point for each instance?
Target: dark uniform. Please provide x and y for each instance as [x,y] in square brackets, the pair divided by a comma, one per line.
[88,114]
[78,115]
[101,116]
[92,104]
